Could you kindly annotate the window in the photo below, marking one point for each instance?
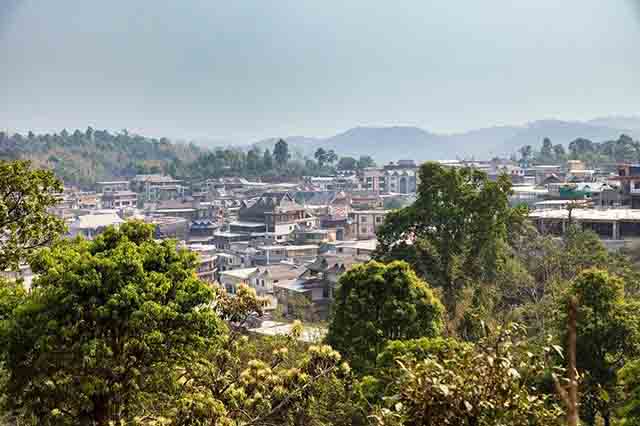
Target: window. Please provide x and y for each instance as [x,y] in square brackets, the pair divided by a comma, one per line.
[325,292]
[378,219]
[363,219]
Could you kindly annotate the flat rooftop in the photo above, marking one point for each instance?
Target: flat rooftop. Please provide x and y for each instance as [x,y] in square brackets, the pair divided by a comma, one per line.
[596,215]
[309,334]
[292,247]
[247,224]
[369,211]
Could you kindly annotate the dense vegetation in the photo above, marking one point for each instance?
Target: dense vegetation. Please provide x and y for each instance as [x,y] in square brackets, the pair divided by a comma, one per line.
[119,330]
[269,164]
[85,157]
[593,153]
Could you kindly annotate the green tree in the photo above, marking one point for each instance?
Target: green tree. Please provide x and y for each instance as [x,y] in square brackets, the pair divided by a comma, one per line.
[321,156]
[491,383]
[254,160]
[259,380]
[365,161]
[630,380]
[281,153]
[347,163]
[607,336]
[383,380]
[332,157]
[526,153]
[106,323]
[267,160]
[378,302]
[451,233]
[26,194]
[546,152]
[559,152]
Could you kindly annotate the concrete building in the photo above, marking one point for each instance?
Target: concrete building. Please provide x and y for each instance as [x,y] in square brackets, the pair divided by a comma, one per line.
[629,178]
[157,187]
[233,278]
[207,267]
[270,254]
[365,223]
[315,288]
[91,225]
[112,186]
[119,199]
[401,177]
[279,213]
[173,227]
[609,224]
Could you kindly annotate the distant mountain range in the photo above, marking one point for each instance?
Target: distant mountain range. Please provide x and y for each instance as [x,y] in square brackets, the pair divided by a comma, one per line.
[403,142]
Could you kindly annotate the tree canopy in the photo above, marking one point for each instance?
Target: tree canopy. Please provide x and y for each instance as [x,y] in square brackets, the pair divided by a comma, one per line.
[593,153]
[375,303]
[26,194]
[84,157]
[608,335]
[450,234]
[103,322]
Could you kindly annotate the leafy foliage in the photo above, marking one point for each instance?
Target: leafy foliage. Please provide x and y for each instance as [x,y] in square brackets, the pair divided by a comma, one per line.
[281,153]
[26,194]
[103,321]
[593,153]
[607,335]
[84,157]
[450,232]
[376,303]
[630,379]
[491,383]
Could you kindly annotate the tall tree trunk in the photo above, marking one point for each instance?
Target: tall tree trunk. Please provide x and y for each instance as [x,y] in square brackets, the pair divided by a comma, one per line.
[100,411]
[569,395]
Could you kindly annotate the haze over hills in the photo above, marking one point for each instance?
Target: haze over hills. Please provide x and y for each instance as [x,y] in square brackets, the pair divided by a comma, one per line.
[400,142]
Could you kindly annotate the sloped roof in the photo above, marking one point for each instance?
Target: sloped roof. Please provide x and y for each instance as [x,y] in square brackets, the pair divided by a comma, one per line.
[269,202]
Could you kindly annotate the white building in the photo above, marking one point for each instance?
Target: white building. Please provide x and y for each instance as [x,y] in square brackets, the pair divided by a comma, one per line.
[91,225]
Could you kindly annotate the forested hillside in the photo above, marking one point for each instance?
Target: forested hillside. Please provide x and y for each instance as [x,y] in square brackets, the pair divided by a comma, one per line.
[84,157]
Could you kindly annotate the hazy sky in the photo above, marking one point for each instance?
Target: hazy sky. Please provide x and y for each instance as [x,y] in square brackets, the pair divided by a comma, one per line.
[247,69]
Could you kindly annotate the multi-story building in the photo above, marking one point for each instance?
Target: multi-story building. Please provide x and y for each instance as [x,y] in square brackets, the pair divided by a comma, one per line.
[173,227]
[315,288]
[119,199]
[270,254]
[157,187]
[629,177]
[112,186]
[90,225]
[365,223]
[372,179]
[279,213]
[207,261]
[401,177]
[262,279]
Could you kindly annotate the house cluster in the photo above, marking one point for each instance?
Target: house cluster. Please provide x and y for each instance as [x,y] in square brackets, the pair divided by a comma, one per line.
[289,241]
[605,200]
